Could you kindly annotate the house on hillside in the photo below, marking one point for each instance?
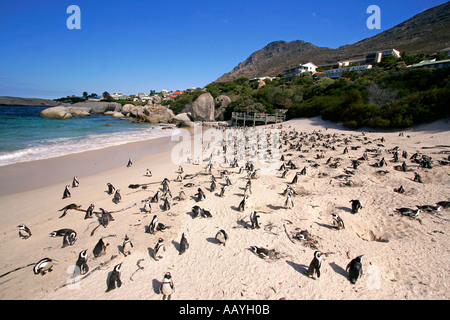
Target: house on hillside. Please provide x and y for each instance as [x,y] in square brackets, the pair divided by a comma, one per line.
[338,72]
[299,70]
[119,96]
[432,64]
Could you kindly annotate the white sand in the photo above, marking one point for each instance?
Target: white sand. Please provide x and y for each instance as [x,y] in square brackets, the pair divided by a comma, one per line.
[413,264]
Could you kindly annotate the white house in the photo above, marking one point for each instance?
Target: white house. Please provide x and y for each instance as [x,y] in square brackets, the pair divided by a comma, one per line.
[336,73]
[299,70]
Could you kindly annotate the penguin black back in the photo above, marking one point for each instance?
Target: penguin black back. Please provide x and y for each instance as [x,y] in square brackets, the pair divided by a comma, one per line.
[354,269]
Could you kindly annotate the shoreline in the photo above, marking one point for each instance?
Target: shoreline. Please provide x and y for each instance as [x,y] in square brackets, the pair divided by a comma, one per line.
[29,175]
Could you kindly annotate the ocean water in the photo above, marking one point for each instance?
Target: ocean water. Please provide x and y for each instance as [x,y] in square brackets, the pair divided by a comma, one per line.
[25,136]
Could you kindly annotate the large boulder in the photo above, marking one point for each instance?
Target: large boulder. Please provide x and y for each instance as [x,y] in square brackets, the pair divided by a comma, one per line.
[79,111]
[99,107]
[203,108]
[181,117]
[159,114]
[222,102]
[59,112]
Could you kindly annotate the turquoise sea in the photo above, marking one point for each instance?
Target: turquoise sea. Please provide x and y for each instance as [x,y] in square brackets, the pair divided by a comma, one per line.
[25,136]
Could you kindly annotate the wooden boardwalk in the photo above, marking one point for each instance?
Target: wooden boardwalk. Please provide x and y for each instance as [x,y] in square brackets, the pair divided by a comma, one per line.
[254,118]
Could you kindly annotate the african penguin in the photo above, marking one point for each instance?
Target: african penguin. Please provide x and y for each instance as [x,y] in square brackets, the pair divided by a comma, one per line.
[42,266]
[159,247]
[24,231]
[356,205]
[99,249]
[222,236]
[89,212]
[314,266]
[126,246]
[254,219]
[81,263]
[117,197]
[184,245]
[66,193]
[338,221]
[75,182]
[354,269]
[110,188]
[114,278]
[167,288]
[69,239]
[153,224]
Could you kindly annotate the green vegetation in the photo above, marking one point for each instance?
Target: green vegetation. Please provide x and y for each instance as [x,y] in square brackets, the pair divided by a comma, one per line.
[387,96]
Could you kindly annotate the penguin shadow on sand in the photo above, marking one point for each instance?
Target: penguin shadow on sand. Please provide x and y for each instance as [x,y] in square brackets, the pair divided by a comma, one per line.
[156,285]
[301,268]
[213,240]
[151,253]
[328,226]
[346,209]
[338,269]
[176,245]
[272,207]
[244,224]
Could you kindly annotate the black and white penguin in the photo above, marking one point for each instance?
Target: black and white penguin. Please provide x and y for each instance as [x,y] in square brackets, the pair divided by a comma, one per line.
[24,231]
[354,269]
[111,188]
[166,205]
[126,246]
[66,193]
[338,221]
[242,204]
[295,180]
[105,218]
[264,253]
[408,212]
[184,245]
[289,203]
[222,237]
[153,224]
[181,195]
[155,198]
[75,182]
[89,212]
[117,197]
[205,213]
[212,188]
[69,239]
[148,173]
[314,266]
[254,220]
[159,247]
[60,232]
[356,205]
[114,278]
[222,191]
[196,210]
[167,288]
[227,181]
[147,206]
[43,266]
[99,249]
[130,163]
[81,263]
[417,178]
[200,195]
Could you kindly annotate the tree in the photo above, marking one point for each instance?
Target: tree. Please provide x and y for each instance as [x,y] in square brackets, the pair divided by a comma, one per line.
[105,95]
[85,94]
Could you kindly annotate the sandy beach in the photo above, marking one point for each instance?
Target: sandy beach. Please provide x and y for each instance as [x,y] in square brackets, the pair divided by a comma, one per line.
[404,258]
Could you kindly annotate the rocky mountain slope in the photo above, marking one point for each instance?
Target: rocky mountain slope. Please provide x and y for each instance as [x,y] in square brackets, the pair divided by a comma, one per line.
[426,32]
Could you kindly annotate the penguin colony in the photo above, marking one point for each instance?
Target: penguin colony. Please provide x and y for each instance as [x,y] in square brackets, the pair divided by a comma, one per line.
[293,145]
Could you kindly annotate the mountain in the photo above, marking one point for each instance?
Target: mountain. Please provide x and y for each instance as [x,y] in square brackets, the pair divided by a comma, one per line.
[426,32]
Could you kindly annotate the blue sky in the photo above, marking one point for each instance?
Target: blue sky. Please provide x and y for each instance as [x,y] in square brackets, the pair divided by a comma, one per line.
[138,46]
